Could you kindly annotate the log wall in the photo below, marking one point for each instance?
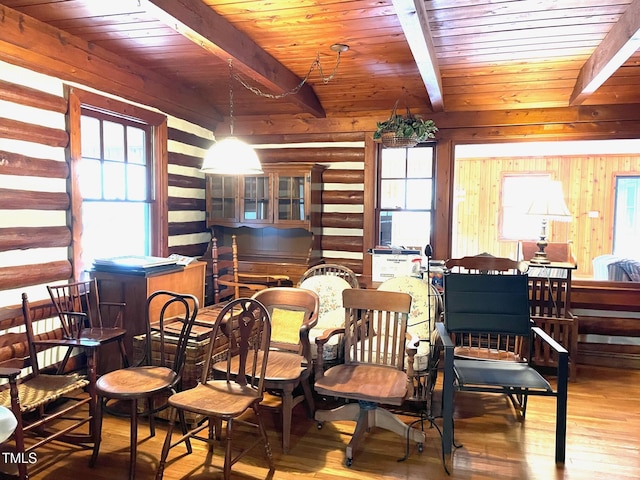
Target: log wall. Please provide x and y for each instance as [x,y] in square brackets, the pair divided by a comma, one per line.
[35,234]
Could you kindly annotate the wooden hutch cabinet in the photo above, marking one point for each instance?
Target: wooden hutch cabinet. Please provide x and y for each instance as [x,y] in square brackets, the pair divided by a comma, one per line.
[276,217]
[286,196]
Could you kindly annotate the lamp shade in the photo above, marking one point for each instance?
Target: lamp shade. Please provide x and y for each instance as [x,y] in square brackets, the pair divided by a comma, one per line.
[231,156]
[549,203]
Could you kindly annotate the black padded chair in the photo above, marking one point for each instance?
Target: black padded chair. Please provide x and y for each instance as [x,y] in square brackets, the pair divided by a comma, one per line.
[496,304]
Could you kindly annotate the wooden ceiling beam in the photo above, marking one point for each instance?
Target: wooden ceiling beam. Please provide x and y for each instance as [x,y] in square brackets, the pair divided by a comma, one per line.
[205,27]
[415,24]
[32,44]
[622,41]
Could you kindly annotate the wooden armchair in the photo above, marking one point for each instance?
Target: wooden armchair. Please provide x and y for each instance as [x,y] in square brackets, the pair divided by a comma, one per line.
[497,305]
[40,401]
[83,316]
[373,372]
[426,307]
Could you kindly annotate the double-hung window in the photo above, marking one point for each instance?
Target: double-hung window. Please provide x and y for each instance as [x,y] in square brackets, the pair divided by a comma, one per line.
[115,180]
[118,181]
[405,196]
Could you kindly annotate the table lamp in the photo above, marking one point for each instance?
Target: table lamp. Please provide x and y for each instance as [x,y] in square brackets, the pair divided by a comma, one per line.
[548,204]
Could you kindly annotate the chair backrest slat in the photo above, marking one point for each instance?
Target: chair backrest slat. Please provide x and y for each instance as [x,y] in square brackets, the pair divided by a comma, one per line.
[240,340]
[376,326]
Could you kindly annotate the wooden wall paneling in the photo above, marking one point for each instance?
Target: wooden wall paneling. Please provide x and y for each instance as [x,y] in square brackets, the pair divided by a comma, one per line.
[444,200]
[369,231]
[73,156]
[343,176]
[343,220]
[311,154]
[184,203]
[26,199]
[185,181]
[337,197]
[31,97]
[186,228]
[588,185]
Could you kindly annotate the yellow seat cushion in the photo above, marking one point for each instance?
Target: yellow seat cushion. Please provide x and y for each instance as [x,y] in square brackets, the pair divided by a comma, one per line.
[285,325]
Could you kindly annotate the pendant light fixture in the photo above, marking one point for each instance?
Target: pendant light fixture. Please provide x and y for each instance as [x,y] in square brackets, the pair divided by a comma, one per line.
[231,156]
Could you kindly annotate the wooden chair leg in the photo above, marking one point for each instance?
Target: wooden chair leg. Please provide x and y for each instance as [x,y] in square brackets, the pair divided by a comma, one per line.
[18,435]
[152,417]
[123,353]
[166,447]
[287,409]
[96,445]
[133,447]
[265,439]
[311,406]
[227,450]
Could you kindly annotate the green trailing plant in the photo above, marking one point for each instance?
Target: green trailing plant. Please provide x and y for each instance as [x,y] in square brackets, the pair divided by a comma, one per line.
[407,126]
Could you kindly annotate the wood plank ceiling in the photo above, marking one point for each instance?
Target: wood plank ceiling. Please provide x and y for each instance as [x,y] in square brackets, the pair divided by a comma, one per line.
[433,55]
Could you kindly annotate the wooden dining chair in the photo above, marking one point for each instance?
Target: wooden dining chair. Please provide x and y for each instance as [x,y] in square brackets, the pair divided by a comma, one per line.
[232,383]
[294,313]
[373,372]
[155,377]
[84,316]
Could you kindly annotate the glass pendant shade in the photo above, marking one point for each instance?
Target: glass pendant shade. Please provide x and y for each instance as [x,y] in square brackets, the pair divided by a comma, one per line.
[231,156]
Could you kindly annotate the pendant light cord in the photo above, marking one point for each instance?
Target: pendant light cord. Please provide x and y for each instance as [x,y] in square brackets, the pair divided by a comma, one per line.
[231,96]
[316,64]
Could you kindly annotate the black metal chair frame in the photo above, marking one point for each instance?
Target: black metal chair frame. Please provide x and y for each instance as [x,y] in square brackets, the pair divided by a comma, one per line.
[497,304]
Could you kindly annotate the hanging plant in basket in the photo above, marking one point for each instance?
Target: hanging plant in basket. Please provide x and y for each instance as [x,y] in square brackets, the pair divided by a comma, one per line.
[404,130]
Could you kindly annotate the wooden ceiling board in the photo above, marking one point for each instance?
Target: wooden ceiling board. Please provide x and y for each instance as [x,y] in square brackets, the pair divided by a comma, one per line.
[491,54]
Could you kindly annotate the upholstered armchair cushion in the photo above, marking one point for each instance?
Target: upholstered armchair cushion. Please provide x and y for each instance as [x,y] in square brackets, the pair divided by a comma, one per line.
[329,289]
[422,316]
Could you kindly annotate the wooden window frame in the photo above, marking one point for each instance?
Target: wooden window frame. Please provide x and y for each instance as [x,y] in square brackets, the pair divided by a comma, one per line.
[159,211]
[378,179]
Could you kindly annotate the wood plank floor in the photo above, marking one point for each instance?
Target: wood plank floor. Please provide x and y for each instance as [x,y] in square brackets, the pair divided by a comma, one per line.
[603,441]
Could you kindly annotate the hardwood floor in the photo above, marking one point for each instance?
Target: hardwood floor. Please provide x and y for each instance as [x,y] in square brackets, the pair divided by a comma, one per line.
[603,441]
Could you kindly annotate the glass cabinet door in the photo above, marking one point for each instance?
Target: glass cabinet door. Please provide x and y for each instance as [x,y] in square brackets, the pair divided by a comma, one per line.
[291,198]
[256,206]
[222,197]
